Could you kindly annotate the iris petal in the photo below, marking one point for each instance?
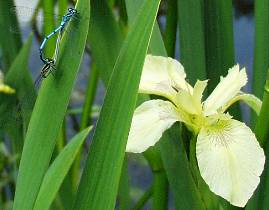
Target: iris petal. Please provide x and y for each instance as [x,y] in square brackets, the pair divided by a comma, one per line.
[162,76]
[228,88]
[149,122]
[230,160]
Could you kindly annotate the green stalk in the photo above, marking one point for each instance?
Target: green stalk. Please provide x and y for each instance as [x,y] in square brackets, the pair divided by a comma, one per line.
[124,188]
[262,125]
[85,117]
[261,50]
[66,194]
[191,35]
[89,98]
[170,33]
[144,199]
[179,172]
[219,43]
[10,37]
[160,183]
[103,29]
[218,39]
[259,200]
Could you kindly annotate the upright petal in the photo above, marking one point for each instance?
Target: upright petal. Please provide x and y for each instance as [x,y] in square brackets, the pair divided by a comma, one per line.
[150,120]
[199,89]
[161,76]
[228,87]
[230,160]
[191,101]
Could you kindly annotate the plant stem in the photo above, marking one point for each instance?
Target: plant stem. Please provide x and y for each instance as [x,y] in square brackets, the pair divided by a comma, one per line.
[124,188]
[171,28]
[160,183]
[144,199]
[90,95]
[192,40]
[160,192]
[259,199]
[87,107]
[262,126]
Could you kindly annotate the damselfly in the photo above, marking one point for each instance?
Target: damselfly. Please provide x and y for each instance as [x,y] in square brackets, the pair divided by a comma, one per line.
[49,64]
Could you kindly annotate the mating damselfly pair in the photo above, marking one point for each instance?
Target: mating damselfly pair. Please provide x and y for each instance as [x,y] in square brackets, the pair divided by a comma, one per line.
[49,66]
[23,14]
[49,63]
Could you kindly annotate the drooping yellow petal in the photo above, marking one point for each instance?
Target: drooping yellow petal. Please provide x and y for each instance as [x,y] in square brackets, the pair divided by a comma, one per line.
[149,122]
[161,76]
[230,160]
[228,88]
[251,100]
[5,88]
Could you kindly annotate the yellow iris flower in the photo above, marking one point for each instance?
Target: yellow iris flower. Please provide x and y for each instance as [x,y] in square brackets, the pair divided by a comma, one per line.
[228,154]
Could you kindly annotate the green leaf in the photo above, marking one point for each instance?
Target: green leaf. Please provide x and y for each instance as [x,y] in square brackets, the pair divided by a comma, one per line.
[185,192]
[219,43]
[170,34]
[12,119]
[218,39]
[105,38]
[58,170]
[48,27]
[261,50]
[10,37]
[259,199]
[103,167]
[49,111]
[191,36]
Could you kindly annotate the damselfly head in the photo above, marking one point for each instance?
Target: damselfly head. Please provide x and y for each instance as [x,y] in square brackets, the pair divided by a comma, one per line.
[72,11]
[49,61]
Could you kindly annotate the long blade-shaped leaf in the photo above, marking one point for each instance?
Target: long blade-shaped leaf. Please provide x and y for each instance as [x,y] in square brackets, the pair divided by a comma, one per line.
[18,77]
[100,179]
[191,36]
[49,112]
[261,51]
[10,39]
[219,42]
[58,170]
[259,199]
[105,38]
[178,171]
[219,39]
